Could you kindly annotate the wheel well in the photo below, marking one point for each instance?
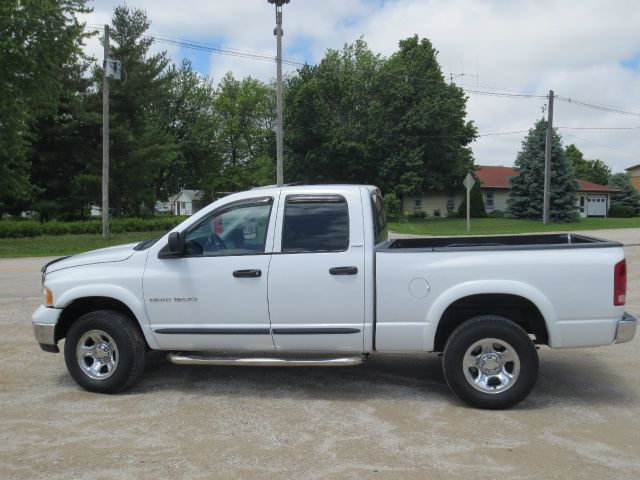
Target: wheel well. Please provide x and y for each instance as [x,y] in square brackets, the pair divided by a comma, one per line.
[515,308]
[80,306]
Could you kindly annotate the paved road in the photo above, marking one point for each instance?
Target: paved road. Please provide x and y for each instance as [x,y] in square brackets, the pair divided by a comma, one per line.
[393,417]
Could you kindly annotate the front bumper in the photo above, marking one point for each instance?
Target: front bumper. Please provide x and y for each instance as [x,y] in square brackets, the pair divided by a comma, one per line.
[626,330]
[44,321]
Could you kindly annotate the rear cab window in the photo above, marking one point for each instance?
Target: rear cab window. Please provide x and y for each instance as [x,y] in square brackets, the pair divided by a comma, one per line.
[315,223]
[380,229]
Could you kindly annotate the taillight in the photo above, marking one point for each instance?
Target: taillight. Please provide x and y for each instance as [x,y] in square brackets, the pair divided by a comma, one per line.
[620,283]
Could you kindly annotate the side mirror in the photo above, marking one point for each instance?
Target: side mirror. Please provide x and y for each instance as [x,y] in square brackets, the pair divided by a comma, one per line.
[176,243]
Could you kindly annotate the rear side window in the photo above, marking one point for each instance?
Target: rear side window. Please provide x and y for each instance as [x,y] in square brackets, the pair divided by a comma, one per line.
[380,230]
[318,223]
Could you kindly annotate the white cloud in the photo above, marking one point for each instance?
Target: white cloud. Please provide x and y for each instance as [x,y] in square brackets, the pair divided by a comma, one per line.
[572,46]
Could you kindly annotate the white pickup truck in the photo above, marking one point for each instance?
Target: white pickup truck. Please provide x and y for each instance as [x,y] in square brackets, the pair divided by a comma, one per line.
[305,275]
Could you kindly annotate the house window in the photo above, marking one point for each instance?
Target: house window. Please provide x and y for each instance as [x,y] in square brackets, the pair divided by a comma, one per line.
[451,202]
[417,202]
[488,200]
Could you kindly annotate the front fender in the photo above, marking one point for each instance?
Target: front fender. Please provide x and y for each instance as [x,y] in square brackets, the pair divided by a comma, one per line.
[480,287]
[117,293]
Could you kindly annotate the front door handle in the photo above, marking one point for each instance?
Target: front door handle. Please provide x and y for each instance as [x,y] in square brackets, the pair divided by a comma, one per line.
[247,273]
[343,270]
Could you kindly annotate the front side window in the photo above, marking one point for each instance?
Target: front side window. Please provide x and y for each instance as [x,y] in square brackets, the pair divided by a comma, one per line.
[315,224]
[417,202]
[237,230]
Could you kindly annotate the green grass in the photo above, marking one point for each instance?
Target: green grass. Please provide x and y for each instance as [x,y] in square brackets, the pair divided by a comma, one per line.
[488,226]
[58,245]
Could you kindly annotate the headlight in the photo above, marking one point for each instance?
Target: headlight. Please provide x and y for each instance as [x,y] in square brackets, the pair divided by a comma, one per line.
[47,296]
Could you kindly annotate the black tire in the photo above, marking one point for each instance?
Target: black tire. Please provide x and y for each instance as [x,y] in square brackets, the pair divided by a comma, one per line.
[489,385]
[123,364]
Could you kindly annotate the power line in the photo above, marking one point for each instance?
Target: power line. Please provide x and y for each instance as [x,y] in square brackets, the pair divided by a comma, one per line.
[502,133]
[504,95]
[602,108]
[203,47]
[635,154]
[600,128]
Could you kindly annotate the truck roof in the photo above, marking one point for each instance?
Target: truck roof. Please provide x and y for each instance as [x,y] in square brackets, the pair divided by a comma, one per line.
[304,186]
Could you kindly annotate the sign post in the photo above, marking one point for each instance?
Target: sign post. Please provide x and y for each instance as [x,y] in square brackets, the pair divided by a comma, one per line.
[468,183]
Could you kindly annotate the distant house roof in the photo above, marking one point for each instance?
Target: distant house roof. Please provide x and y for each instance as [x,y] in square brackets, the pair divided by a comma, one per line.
[498,177]
[495,177]
[632,167]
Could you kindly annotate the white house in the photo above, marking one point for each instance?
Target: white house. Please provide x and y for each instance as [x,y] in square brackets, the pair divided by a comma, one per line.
[186,202]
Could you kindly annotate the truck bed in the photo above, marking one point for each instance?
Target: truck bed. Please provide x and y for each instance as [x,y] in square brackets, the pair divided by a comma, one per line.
[506,242]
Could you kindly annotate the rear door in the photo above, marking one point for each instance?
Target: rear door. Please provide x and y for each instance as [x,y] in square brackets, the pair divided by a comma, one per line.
[316,276]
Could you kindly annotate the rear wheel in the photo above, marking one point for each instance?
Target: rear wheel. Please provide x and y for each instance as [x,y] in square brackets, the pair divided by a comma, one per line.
[104,351]
[490,362]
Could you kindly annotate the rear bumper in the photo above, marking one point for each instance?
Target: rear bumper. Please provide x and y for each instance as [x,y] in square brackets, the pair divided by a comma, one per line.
[626,330]
[44,321]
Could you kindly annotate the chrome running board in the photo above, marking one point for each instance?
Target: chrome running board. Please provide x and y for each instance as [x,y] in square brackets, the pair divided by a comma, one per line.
[199,358]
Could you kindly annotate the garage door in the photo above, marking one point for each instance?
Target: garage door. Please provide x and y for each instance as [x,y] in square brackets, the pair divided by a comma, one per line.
[597,205]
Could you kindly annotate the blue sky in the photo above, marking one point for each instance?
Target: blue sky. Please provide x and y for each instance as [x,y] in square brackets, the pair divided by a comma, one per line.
[632,62]
[583,49]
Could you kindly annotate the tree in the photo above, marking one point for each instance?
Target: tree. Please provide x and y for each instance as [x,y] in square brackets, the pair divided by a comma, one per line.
[39,37]
[142,144]
[65,154]
[595,171]
[357,117]
[527,188]
[419,123]
[328,118]
[244,140]
[188,115]
[626,194]
[476,202]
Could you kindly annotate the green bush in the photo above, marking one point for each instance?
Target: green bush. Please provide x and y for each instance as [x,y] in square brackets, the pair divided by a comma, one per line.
[495,214]
[14,229]
[32,228]
[392,207]
[621,211]
[418,214]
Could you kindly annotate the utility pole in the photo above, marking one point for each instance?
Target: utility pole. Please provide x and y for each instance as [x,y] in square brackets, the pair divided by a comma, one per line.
[279,132]
[105,137]
[547,163]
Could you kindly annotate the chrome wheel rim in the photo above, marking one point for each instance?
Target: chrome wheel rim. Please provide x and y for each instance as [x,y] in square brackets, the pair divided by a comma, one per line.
[491,365]
[97,354]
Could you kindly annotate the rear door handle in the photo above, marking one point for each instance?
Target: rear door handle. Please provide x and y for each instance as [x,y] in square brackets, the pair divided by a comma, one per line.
[343,270]
[247,273]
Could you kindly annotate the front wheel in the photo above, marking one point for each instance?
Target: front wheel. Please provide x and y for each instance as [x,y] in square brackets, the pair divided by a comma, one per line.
[104,351]
[490,362]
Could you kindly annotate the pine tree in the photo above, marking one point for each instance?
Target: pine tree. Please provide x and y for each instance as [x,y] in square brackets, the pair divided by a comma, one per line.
[476,202]
[626,195]
[527,188]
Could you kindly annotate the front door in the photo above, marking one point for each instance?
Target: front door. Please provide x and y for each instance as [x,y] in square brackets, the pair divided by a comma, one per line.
[316,280]
[215,297]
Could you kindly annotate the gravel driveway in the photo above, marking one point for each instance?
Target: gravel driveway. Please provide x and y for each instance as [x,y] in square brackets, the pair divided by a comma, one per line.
[392,417]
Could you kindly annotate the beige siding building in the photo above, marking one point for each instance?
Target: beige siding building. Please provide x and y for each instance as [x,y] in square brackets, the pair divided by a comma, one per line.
[635,176]
[593,199]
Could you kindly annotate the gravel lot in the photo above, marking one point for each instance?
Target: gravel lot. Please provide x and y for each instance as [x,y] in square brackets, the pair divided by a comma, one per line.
[393,417]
